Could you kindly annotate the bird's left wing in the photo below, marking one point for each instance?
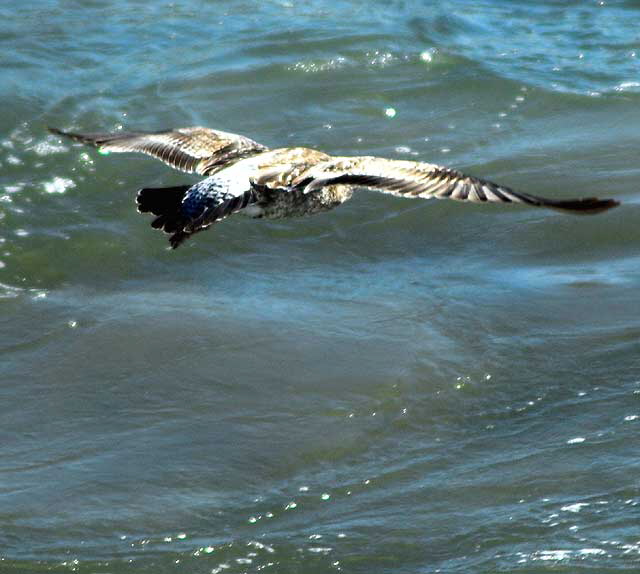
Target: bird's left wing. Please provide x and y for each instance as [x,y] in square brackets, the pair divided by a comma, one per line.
[193,150]
[425,180]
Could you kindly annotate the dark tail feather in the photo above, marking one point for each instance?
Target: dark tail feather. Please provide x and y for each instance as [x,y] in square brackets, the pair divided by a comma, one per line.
[177,238]
[161,200]
[165,203]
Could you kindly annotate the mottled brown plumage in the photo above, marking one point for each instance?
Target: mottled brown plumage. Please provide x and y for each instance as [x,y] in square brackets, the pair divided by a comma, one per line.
[247,177]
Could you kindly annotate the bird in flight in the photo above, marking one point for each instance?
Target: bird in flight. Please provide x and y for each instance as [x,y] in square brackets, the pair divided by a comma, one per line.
[243,176]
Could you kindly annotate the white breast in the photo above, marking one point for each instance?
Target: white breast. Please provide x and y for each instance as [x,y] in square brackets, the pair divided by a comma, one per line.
[237,177]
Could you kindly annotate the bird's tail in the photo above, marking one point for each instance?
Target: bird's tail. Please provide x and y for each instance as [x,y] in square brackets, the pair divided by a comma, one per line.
[165,203]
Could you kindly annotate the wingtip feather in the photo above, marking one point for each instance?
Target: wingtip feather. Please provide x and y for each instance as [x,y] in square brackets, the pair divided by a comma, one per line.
[585,206]
[76,137]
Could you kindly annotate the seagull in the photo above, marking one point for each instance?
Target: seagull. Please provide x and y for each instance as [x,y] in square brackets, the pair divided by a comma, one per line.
[244,176]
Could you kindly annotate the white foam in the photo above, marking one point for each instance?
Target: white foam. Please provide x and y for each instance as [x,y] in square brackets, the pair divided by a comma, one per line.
[426,56]
[627,86]
[576,440]
[553,555]
[47,148]
[574,507]
[14,188]
[58,185]
[320,549]
[592,552]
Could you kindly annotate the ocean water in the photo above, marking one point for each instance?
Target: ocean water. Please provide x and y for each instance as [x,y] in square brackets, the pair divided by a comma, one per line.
[394,386]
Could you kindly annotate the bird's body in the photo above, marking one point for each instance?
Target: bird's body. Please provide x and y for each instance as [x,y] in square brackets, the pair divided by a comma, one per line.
[245,177]
[271,176]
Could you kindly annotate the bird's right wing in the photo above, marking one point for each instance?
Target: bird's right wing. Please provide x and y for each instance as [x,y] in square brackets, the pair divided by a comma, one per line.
[193,150]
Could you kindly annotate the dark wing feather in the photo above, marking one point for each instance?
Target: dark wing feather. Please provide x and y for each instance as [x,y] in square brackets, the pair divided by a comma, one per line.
[193,150]
[417,179]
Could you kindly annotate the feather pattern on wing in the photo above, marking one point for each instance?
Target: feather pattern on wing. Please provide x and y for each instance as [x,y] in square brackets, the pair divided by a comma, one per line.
[281,168]
[192,150]
[425,180]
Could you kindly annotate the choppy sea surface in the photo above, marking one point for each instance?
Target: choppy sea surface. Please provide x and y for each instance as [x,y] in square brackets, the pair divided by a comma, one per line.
[395,386]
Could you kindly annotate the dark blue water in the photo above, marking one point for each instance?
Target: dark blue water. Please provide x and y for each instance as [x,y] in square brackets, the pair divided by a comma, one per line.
[393,386]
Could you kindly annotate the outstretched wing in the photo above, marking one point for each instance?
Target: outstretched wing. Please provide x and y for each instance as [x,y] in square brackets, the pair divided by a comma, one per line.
[425,180]
[193,150]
